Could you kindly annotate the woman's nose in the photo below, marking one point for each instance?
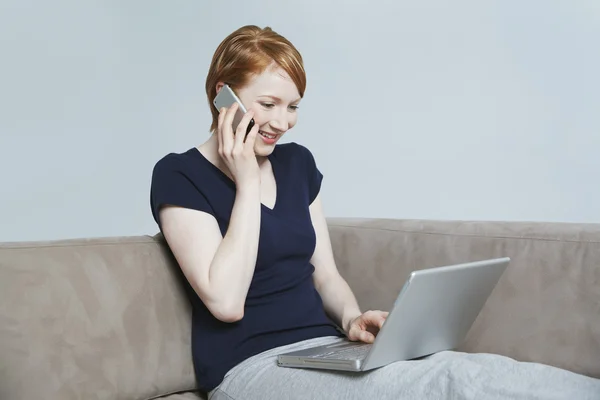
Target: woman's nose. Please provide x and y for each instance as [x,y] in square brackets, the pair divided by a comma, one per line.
[280,123]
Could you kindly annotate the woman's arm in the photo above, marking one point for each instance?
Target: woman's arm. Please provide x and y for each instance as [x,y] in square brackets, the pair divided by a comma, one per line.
[219,268]
[338,299]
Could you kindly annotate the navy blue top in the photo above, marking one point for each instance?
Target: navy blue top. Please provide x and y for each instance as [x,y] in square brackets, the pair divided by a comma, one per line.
[282,305]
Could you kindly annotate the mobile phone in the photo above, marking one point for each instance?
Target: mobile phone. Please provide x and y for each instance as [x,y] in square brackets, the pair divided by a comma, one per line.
[225,98]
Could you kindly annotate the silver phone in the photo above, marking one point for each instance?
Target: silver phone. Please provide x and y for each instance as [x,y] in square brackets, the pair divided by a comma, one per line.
[225,98]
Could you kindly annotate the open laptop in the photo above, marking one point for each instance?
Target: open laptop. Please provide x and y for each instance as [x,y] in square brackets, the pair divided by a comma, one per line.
[433,312]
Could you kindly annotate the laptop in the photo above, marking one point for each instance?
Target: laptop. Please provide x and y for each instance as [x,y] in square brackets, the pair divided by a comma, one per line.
[433,312]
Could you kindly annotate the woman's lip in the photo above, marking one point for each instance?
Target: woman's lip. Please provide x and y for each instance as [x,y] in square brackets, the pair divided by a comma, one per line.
[268,140]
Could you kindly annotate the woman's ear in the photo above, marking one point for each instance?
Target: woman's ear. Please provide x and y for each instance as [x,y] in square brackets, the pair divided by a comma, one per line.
[219,86]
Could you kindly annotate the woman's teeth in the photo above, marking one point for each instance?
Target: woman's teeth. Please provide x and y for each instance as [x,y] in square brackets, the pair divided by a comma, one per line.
[267,135]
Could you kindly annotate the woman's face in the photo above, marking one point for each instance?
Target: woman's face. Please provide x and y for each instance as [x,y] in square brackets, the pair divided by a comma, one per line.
[274,98]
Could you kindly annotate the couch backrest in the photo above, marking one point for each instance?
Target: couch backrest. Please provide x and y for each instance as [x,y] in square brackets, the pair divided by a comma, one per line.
[546,307]
[91,319]
[109,318]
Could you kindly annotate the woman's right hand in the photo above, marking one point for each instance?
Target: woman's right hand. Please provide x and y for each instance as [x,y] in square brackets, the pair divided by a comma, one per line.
[237,153]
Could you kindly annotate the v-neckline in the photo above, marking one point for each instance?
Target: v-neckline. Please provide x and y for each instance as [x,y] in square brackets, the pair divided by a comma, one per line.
[231,183]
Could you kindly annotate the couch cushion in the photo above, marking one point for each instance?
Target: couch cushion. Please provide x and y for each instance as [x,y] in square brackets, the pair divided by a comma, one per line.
[545,307]
[90,319]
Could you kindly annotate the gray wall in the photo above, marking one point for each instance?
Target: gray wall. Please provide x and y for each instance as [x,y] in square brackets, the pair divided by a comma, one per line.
[429,109]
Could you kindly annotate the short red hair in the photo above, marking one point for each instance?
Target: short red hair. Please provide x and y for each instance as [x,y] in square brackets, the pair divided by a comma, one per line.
[246,52]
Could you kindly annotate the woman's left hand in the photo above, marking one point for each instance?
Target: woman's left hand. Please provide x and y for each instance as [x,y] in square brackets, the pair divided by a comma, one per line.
[366,326]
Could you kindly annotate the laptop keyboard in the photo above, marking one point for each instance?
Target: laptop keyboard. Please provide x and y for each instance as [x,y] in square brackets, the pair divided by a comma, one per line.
[358,352]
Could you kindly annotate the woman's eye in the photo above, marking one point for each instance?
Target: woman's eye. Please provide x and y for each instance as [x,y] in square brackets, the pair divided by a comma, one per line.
[294,108]
[268,105]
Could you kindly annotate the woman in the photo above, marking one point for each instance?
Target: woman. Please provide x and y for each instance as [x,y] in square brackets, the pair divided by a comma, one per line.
[243,217]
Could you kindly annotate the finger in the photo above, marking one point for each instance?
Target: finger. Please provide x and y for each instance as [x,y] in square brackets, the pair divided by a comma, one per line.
[383,316]
[372,318]
[240,133]
[227,128]
[354,334]
[251,139]
[222,112]
[367,337]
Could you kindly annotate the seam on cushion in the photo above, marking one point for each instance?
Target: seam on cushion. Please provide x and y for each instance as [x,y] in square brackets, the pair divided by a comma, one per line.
[221,392]
[90,244]
[182,391]
[466,234]
[151,239]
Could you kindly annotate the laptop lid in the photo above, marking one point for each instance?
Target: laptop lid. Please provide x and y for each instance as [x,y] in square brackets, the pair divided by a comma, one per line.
[434,311]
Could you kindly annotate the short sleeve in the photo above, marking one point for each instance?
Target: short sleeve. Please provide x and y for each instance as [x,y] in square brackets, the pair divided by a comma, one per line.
[315,177]
[172,186]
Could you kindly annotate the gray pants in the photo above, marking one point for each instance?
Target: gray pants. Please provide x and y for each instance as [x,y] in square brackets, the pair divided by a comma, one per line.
[445,375]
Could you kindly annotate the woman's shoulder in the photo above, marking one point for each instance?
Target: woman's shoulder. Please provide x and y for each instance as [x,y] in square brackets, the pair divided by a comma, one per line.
[177,162]
[294,151]
[179,179]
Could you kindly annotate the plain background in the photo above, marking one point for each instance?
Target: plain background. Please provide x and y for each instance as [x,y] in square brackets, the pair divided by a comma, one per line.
[464,110]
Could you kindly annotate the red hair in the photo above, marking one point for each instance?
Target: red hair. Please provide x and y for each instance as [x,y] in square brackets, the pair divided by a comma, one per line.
[247,52]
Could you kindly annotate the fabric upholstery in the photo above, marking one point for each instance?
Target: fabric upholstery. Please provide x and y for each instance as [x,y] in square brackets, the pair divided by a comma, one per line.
[545,308]
[109,318]
[92,319]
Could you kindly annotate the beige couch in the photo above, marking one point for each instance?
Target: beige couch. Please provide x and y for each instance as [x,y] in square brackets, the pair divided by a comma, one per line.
[109,319]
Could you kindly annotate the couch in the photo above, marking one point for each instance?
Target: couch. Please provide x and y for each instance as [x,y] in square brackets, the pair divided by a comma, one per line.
[108,318]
